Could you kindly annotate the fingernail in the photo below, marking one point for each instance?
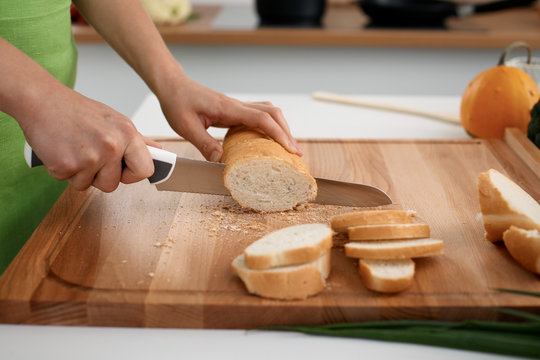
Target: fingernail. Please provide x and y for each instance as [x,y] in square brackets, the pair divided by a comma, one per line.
[215,156]
[294,146]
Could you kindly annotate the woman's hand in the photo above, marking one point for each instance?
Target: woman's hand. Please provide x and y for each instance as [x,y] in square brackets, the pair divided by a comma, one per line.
[84,142]
[191,108]
[77,139]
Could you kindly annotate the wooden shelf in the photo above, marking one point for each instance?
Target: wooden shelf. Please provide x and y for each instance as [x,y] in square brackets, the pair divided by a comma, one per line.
[346,25]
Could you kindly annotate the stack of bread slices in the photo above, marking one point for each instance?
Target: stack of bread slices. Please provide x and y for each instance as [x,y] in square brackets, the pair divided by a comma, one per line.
[288,264]
[385,242]
[510,214]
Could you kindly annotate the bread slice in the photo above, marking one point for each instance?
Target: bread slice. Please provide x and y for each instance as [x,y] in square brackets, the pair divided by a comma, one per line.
[394,249]
[292,245]
[342,222]
[388,231]
[524,246]
[503,203]
[286,283]
[387,276]
[262,175]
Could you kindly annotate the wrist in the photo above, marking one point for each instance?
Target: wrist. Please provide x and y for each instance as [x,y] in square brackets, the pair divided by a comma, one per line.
[166,79]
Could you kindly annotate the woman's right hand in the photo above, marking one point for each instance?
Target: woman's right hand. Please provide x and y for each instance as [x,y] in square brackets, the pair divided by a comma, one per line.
[84,141]
[76,138]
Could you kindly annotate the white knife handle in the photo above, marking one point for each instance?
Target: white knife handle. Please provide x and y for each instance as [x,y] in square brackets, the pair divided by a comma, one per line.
[30,156]
[164,162]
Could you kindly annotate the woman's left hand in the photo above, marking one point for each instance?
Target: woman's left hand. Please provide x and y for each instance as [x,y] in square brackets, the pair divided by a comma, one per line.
[191,108]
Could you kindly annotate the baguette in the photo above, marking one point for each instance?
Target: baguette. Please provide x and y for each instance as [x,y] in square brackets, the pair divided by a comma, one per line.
[524,246]
[388,231]
[341,223]
[262,175]
[285,283]
[387,276]
[289,246]
[504,203]
[394,249]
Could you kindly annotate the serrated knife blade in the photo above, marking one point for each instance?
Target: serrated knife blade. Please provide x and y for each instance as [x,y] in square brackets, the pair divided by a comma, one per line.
[174,173]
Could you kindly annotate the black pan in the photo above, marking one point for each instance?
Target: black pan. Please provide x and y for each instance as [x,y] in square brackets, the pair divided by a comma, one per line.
[427,13]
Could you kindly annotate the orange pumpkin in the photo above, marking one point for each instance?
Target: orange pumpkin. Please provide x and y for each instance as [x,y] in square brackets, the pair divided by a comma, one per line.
[500,97]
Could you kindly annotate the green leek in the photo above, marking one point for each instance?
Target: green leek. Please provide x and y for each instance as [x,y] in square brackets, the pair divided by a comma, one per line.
[498,337]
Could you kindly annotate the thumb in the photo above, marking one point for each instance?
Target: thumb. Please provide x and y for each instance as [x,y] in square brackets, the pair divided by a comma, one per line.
[209,147]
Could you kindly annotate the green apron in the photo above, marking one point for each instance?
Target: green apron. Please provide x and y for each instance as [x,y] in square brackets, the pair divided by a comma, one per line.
[42,30]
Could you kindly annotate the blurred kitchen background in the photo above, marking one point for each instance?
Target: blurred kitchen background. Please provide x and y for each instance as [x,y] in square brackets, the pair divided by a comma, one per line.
[223,46]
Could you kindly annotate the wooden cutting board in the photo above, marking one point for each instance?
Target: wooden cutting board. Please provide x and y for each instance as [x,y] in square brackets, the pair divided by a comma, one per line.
[139,257]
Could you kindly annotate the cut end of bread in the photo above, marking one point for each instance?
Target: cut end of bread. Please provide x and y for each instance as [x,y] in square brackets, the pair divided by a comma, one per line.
[503,203]
[524,246]
[269,185]
[289,246]
[262,175]
[285,283]
[387,276]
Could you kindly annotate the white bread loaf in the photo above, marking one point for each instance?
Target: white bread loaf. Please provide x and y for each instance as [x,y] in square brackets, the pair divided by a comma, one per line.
[286,283]
[387,276]
[292,245]
[342,222]
[504,203]
[262,175]
[524,246]
[388,231]
[394,249]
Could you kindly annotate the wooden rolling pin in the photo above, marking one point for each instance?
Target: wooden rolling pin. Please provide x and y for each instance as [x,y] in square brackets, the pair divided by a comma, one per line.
[349,100]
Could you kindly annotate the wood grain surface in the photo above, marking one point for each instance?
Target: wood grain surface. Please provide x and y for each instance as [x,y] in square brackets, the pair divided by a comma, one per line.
[139,257]
[347,25]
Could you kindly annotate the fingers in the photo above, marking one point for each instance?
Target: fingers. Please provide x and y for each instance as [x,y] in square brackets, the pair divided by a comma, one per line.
[269,119]
[201,108]
[275,112]
[107,176]
[138,162]
[277,116]
[152,143]
[195,132]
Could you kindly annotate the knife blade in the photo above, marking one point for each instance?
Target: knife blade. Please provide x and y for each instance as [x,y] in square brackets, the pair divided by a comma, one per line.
[174,173]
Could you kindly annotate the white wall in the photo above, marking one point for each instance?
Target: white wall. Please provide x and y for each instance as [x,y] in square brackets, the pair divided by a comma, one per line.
[276,69]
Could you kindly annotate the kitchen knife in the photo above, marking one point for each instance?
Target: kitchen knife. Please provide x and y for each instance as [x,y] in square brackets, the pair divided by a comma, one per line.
[173,173]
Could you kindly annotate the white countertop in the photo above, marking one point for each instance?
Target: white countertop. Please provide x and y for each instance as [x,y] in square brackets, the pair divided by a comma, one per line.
[308,119]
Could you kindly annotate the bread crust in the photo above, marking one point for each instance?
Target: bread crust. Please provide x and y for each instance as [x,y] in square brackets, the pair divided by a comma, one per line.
[396,249]
[242,145]
[287,257]
[342,222]
[385,284]
[285,283]
[497,213]
[388,231]
[524,246]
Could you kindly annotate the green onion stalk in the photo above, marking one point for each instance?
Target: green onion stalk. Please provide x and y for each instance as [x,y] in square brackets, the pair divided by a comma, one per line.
[497,337]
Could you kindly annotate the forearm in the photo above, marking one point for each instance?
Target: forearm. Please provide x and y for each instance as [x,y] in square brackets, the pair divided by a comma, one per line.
[189,107]
[24,84]
[125,25]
